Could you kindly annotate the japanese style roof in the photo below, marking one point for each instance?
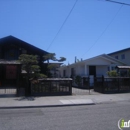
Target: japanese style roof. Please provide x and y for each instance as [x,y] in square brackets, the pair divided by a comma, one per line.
[9,61]
[6,41]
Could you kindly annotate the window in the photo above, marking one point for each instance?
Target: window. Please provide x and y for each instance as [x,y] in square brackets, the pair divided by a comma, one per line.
[123,56]
[116,57]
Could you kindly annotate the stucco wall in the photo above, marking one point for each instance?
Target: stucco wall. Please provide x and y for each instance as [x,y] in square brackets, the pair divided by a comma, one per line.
[101,70]
[82,68]
[127,56]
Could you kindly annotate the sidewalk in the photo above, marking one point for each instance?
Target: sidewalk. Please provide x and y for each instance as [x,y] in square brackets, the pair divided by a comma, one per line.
[53,101]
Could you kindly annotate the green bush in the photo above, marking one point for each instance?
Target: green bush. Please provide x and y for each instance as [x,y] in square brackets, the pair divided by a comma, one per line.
[112,73]
[78,80]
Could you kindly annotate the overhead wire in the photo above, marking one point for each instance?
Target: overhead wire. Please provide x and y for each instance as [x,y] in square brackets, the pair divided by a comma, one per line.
[103,31]
[118,2]
[62,25]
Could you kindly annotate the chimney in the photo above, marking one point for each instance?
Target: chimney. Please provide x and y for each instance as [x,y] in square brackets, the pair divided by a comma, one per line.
[75,59]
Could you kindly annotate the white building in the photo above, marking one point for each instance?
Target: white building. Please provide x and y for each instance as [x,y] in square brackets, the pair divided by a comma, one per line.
[96,66]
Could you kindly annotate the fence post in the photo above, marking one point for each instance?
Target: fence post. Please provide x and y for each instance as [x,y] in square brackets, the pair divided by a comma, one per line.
[102,84]
[89,84]
[70,86]
[118,84]
[129,83]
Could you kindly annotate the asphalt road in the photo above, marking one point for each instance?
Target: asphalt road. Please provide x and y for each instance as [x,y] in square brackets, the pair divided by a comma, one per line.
[88,117]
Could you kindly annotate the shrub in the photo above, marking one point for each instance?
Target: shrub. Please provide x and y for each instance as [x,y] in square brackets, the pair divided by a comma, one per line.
[112,73]
[78,80]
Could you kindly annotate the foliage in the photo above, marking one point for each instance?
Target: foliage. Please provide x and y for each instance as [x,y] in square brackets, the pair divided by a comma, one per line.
[61,59]
[78,80]
[29,63]
[40,76]
[112,73]
[52,56]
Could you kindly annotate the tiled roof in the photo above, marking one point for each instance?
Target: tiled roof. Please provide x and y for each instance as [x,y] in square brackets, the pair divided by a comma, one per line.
[9,61]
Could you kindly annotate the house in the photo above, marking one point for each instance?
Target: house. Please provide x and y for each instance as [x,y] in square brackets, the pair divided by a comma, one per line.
[122,55]
[93,67]
[10,49]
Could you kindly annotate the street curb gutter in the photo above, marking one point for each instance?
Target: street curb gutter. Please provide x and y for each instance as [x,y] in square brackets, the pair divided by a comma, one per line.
[41,106]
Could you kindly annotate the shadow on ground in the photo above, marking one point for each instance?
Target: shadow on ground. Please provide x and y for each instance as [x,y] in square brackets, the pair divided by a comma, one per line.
[25,99]
[7,95]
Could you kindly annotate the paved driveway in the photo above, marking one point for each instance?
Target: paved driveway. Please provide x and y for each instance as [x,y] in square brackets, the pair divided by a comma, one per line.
[78,91]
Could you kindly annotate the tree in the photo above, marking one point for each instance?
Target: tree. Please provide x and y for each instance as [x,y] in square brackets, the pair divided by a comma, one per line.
[29,65]
[52,56]
[61,59]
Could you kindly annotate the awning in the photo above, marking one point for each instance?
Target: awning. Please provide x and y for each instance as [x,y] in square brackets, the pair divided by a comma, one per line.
[123,67]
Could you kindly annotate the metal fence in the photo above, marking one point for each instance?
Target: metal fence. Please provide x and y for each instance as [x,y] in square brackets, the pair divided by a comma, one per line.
[112,85]
[51,86]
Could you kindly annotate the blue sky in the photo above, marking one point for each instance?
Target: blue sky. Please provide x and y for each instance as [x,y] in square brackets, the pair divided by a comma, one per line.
[93,28]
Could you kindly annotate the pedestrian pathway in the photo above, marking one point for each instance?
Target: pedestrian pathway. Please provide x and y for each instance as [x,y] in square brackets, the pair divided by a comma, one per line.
[78,101]
[53,101]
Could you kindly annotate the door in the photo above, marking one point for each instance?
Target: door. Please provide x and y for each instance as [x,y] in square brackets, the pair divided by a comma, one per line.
[11,75]
[92,70]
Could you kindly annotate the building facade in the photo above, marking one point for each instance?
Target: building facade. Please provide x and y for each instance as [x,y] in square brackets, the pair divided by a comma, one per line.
[96,66]
[10,50]
[122,55]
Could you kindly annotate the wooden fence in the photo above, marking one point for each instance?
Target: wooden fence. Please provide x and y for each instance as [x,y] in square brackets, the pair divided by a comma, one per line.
[51,86]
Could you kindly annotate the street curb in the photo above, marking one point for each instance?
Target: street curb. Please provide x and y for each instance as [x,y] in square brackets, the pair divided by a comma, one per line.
[41,106]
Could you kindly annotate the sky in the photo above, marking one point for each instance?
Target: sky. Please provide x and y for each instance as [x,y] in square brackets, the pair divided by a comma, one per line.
[91,28]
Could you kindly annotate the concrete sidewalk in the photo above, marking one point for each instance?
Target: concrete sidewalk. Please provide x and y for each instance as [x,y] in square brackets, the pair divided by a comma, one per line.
[52,101]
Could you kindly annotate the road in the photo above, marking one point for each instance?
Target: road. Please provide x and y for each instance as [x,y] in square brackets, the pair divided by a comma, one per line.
[88,117]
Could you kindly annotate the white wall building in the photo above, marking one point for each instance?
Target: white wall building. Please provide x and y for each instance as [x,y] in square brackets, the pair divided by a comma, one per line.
[96,66]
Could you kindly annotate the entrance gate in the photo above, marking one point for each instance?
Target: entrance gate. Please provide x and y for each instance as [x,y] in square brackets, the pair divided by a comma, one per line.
[8,80]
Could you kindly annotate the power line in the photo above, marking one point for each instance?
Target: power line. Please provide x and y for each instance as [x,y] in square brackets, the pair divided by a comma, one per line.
[103,31]
[62,25]
[118,2]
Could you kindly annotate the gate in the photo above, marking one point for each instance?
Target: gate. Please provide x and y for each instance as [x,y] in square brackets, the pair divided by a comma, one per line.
[8,91]
[8,88]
